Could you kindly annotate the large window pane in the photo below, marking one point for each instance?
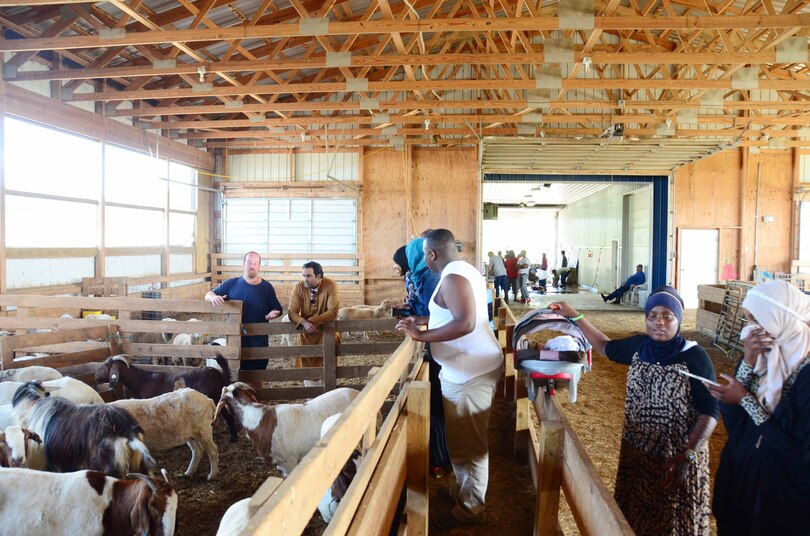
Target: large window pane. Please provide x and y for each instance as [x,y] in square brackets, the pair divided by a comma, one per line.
[36,223]
[48,161]
[182,197]
[181,229]
[130,227]
[134,178]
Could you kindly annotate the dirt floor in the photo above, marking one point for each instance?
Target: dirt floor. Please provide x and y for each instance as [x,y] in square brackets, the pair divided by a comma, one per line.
[596,417]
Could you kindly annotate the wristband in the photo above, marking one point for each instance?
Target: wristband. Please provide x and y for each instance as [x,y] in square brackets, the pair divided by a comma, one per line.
[577,318]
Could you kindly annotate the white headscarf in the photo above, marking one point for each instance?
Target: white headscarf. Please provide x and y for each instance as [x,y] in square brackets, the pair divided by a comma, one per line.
[783,311]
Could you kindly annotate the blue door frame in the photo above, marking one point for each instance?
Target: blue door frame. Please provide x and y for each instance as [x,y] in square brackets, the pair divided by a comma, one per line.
[660,208]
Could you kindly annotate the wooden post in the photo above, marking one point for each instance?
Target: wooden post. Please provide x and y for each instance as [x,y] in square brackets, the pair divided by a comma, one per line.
[546,512]
[236,342]
[6,353]
[329,357]
[522,423]
[417,457]
[262,494]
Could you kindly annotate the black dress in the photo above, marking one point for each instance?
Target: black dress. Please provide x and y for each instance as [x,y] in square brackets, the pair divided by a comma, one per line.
[661,411]
[763,481]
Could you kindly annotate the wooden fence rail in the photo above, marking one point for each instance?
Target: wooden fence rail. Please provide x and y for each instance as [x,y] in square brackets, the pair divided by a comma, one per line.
[556,458]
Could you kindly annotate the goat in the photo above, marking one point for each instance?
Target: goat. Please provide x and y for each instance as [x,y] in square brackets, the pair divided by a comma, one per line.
[14,446]
[90,503]
[365,312]
[208,380]
[6,416]
[283,434]
[333,495]
[69,388]
[28,374]
[235,519]
[102,438]
[171,419]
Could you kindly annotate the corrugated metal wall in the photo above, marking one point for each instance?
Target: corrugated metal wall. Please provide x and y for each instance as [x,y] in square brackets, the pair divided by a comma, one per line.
[305,167]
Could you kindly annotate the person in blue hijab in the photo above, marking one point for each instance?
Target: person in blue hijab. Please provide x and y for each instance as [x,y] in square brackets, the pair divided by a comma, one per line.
[421,283]
[662,484]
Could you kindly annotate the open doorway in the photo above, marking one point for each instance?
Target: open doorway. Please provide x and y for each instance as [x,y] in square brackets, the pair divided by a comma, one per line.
[698,251]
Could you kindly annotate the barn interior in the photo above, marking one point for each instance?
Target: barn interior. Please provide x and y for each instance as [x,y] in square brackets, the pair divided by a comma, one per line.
[179,135]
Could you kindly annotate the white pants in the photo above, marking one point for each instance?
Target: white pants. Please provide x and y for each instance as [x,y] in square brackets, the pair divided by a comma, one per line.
[466,411]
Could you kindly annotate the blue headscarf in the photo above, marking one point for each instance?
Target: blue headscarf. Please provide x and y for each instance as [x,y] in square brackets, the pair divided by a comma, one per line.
[416,260]
[664,352]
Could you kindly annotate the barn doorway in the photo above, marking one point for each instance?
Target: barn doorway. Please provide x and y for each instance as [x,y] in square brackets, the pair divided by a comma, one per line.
[697,261]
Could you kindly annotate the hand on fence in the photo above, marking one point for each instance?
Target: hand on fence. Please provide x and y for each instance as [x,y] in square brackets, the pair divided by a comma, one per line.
[275,313]
[564,308]
[308,326]
[408,326]
[217,300]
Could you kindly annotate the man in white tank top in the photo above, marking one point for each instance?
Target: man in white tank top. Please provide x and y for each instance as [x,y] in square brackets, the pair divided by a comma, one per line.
[463,344]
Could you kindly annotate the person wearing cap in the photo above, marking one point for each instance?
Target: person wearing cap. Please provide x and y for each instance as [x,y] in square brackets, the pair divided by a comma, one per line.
[763,480]
[662,483]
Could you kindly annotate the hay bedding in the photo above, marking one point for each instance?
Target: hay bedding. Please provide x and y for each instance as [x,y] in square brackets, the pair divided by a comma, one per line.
[596,417]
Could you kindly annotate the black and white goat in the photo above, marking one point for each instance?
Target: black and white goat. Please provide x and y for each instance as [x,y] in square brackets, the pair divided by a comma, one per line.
[36,503]
[285,433]
[97,437]
[69,388]
[141,383]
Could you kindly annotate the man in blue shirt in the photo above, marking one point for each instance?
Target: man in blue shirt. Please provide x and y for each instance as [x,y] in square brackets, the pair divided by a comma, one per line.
[259,304]
[633,281]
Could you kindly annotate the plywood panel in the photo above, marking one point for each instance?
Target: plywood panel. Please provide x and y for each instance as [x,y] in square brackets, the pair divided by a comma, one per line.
[707,192]
[773,239]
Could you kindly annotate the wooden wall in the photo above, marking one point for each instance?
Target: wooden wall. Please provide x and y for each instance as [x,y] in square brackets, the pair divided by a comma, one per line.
[719,192]
[406,193]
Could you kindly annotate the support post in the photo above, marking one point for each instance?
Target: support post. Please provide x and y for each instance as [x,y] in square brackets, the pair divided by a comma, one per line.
[417,457]
[549,479]
[329,357]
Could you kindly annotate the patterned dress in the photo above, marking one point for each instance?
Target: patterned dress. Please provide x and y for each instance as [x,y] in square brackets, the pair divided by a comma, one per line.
[660,415]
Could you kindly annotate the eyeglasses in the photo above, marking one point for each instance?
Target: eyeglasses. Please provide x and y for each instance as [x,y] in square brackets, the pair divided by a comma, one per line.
[666,317]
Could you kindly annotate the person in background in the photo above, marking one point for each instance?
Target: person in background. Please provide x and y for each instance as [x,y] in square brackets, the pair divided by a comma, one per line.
[511,274]
[542,274]
[763,480]
[497,268]
[315,301]
[662,483]
[471,359]
[424,283]
[632,282]
[523,276]
[563,271]
[259,304]
[400,262]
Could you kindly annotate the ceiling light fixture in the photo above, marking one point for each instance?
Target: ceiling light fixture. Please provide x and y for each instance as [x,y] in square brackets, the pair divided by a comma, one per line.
[427,124]
[668,122]
[202,73]
[586,62]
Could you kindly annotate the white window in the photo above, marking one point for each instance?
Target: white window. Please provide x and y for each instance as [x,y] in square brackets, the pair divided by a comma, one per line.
[182,197]
[133,178]
[132,227]
[46,223]
[804,234]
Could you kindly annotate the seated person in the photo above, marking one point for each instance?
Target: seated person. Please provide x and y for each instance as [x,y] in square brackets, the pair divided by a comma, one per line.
[632,282]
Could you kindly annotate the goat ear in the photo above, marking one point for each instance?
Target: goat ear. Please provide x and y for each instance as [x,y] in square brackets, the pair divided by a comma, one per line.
[139,517]
[32,436]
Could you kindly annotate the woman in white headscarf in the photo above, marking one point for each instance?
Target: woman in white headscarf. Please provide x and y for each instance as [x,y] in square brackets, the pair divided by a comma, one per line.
[763,481]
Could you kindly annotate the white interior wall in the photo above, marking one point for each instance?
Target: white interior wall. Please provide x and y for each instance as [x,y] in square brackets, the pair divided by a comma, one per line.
[586,229]
[637,248]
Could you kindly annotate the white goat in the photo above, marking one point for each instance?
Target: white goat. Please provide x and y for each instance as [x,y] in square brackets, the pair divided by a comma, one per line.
[89,503]
[171,419]
[235,519]
[72,389]
[365,312]
[29,374]
[285,433]
[333,495]
[14,446]
[7,415]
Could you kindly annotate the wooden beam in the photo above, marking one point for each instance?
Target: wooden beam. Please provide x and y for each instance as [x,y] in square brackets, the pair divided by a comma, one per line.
[155,37]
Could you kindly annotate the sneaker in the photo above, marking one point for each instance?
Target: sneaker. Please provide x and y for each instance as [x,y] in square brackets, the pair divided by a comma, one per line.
[604,297]
[447,520]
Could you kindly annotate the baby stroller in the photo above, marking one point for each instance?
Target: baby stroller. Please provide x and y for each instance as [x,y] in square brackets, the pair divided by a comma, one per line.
[547,368]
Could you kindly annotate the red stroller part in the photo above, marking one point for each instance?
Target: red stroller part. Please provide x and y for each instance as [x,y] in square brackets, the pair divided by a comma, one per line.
[549,369]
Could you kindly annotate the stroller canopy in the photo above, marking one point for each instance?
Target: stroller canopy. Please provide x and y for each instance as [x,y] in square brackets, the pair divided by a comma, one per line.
[546,319]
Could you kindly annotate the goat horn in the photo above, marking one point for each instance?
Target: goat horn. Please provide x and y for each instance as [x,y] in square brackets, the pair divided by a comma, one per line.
[122,358]
[146,480]
[165,476]
[221,405]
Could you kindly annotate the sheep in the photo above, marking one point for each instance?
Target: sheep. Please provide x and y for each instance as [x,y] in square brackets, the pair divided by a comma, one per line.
[102,316]
[365,312]
[283,434]
[102,438]
[14,446]
[27,374]
[333,495]
[171,419]
[182,339]
[69,388]
[208,380]
[235,519]
[89,503]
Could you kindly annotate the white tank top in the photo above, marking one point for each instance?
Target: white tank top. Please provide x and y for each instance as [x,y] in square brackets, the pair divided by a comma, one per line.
[476,353]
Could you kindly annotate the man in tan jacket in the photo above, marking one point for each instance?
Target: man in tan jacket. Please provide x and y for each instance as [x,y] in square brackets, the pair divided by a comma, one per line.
[314,302]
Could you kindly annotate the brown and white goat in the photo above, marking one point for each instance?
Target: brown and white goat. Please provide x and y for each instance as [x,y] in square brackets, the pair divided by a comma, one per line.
[365,312]
[36,503]
[141,383]
[14,446]
[171,419]
[96,437]
[283,434]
